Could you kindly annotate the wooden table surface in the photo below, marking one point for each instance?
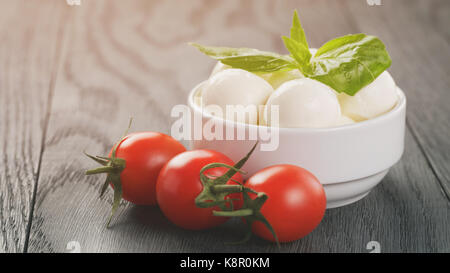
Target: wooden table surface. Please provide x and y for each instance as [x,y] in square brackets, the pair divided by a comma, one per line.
[71,76]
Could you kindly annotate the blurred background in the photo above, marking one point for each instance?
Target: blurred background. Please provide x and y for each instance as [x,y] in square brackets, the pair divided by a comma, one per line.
[72,72]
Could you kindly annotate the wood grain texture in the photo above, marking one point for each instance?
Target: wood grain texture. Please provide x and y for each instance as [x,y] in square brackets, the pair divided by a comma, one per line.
[417,38]
[27,53]
[131,59]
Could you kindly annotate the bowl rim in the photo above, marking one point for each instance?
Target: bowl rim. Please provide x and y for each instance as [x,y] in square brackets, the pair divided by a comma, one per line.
[397,109]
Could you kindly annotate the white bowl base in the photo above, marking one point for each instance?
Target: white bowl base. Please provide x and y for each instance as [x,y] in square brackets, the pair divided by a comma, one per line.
[345,193]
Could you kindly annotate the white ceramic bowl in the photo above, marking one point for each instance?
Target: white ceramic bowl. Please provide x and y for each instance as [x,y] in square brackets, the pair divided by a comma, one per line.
[348,160]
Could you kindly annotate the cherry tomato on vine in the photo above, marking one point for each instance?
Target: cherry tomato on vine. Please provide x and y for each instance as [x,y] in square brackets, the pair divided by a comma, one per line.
[179,184]
[133,166]
[145,153]
[296,201]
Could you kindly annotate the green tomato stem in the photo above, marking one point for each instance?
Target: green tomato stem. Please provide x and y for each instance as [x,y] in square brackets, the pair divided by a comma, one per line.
[236,213]
[106,169]
[226,188]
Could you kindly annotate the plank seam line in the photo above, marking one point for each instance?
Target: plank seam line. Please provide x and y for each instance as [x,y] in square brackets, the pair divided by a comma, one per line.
[51,91]
[428,160]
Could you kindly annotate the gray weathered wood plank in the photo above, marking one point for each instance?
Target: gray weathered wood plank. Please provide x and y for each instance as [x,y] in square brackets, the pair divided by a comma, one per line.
[29,36]
[122,60]
[420,48]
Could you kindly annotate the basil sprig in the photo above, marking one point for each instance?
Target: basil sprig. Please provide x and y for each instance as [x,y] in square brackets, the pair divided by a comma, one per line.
[298,46]
[249,59]
[351,62]
[346,64]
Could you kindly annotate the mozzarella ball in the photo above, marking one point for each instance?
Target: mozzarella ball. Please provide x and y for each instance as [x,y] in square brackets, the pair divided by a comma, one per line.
[344,120]
[304,103]
[375,99]
[237,87]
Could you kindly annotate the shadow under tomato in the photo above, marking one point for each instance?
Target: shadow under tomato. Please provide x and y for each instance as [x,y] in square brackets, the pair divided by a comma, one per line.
[147,225]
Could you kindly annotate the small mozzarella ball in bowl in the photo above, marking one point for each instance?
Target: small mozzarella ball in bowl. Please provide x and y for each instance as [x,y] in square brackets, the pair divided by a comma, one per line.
[303,103]
[344,120]
[375,99]
[237,87]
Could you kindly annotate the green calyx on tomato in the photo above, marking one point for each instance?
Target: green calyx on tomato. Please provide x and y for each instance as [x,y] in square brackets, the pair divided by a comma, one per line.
[215,190]
[250,212]
[113,167]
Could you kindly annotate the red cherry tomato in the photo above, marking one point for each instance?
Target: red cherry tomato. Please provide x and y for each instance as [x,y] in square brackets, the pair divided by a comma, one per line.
[145,153]
[296,202]
[179,184]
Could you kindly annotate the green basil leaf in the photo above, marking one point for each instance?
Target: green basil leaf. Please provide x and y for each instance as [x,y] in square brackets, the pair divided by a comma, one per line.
[249,59]
[300,53]
[297,32]
[351,62]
